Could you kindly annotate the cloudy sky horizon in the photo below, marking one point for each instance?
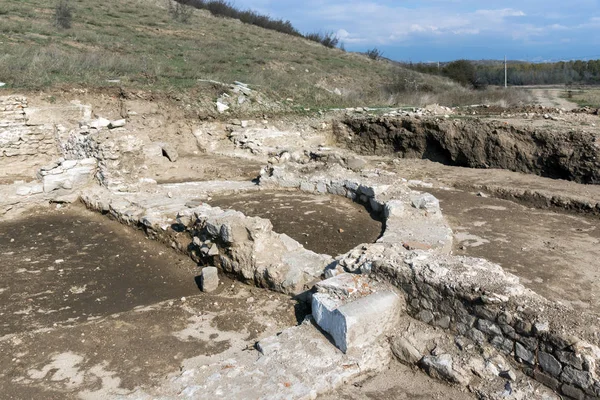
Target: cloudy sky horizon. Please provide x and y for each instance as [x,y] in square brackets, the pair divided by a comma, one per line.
[436,30]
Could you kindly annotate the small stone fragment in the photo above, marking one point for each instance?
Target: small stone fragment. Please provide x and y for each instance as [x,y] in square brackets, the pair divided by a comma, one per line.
[117,124]
[210,279]
[404,351]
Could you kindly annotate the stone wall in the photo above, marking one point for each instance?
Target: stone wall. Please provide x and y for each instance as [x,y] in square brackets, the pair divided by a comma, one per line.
[471,297]
[477,299]
[245,247]
[23,147]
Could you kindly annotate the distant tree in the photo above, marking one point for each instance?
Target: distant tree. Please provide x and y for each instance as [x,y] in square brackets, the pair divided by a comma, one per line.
[63,15]
[462,71]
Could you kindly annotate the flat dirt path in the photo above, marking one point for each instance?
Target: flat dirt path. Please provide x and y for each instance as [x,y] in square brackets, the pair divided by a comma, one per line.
[551,97]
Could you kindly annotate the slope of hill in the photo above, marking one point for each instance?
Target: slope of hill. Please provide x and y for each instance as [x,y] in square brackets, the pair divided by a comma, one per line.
[136,44]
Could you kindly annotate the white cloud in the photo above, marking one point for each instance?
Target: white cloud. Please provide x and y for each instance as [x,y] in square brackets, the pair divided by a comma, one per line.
[386,24]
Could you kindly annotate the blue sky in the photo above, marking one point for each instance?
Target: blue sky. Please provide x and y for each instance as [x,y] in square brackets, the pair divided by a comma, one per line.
[436,30]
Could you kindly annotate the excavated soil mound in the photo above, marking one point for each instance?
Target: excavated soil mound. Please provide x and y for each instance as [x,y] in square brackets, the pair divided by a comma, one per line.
[569,155]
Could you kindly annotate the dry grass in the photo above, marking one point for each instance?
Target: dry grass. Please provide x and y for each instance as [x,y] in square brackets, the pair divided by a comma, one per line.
[138,43]
[585,96]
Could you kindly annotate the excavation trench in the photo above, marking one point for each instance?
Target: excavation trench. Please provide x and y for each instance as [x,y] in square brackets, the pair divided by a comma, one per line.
[84,298]
[567,154]
[554,254]
[325,224]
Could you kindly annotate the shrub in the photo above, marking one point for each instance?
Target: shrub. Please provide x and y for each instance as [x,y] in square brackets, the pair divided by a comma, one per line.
[179,12]
[223,8]
[63,15]
[328,39]
[462,71]
[374,53]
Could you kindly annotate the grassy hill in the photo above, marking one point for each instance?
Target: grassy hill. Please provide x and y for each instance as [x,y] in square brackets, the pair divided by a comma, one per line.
[140,45]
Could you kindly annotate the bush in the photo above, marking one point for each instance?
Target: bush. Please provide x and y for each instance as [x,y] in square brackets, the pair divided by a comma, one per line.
[374,53]
[462,71]
[223,8]
[179,12]
[63,15]
[326,39]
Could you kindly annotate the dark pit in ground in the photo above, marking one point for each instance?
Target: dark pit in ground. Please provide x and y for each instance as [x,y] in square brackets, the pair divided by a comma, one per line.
[321,223]
[554,254]
[69,266]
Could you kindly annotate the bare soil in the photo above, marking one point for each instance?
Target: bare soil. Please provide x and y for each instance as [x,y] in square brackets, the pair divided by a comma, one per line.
[324,224]
[71,265]
[399,382]
[568,153]
[118,314]
[554,254]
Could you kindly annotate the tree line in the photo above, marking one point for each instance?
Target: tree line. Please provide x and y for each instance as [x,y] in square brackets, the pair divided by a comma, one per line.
[483,73]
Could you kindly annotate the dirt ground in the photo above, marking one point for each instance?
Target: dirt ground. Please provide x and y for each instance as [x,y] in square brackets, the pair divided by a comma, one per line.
[496,182]
[324,224]
[118,313]
[399,382]
[552,97]
[553,253]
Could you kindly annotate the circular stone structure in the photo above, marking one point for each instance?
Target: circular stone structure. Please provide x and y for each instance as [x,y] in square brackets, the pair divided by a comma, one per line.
[325,224]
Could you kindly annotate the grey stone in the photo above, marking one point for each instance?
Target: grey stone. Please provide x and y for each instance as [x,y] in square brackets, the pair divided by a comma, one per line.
[307,187]
[476,335]
[504,345]
[467,319]
[221,107]
[570,358]
[505,318]
[321,187]
[572,392]
[523,327]
[405,352]
[213,250]
[443,322]
[546,380]
[485,313]
[576,377]
[210,279]
[117,124]
[441,367]
[425,201]
[355,163]
[530,343]
[99,123]
[524,354]
[355,323]
[549,364]
[425,316]
[541,327]
[488,327]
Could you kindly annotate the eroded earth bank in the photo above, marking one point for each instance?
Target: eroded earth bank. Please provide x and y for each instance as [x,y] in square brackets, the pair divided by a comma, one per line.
[356,254]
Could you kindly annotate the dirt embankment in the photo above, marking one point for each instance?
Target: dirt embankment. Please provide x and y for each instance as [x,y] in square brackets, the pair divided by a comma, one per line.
[573,156]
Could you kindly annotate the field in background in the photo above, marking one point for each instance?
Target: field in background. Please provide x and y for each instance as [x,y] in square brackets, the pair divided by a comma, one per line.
[584,96]
[138,44]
